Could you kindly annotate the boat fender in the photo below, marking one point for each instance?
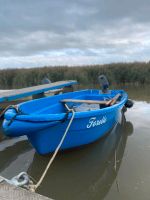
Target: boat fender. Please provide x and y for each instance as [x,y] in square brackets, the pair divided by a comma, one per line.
[129,103]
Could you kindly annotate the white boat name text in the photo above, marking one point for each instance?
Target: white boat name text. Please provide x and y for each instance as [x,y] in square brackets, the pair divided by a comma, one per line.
[94,122]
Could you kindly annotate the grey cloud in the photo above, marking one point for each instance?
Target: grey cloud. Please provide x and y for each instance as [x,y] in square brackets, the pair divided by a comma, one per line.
[33,27]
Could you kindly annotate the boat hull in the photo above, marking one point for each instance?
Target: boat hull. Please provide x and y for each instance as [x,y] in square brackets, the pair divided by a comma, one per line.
[82,131]
[45,130]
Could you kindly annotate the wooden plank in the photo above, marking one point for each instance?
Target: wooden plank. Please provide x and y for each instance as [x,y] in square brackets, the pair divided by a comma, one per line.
[113,100]
[10,192]
[107,103]
[83,101]
[24,92]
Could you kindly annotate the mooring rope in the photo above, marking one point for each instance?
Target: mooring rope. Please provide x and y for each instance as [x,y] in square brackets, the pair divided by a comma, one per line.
[23,179]
[34,187]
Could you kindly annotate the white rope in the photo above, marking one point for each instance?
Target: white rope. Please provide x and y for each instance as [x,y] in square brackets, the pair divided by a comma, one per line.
[34,187]
[23,180]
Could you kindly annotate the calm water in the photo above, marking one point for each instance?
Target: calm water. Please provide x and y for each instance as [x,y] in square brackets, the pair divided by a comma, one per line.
[89,173]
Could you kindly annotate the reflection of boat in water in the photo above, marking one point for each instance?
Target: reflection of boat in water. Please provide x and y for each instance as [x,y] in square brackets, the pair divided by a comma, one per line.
[87,174]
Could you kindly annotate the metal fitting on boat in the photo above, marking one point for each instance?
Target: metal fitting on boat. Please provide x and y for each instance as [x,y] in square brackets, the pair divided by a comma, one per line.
[129,103]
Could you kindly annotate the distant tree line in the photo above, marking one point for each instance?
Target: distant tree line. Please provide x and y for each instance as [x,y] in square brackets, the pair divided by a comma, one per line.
[120,73]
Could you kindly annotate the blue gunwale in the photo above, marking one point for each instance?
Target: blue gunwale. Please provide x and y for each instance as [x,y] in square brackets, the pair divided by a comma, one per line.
[37,117]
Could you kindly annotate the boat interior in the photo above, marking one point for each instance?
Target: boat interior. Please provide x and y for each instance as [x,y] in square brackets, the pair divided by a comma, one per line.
[80,101]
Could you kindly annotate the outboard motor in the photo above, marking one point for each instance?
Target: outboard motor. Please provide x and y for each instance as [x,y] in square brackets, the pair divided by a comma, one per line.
[41,95]
[45,81]
[104,83]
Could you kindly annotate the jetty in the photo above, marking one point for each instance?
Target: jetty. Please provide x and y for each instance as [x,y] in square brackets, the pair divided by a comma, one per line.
[35,90]
[10,192]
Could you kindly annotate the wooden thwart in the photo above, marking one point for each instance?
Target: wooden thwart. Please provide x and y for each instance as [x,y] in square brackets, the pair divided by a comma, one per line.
[107,103]
[82,101]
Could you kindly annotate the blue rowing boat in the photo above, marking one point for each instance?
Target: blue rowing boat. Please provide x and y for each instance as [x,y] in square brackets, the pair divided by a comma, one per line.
[45,120]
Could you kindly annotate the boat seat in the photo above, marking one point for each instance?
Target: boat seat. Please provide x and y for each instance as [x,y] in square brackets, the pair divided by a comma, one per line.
[103,103]
[83,101]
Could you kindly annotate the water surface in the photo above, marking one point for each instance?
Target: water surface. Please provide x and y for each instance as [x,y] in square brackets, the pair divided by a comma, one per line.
[116,167]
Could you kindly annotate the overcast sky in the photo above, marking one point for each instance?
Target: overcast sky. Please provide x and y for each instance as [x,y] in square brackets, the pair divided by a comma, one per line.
[73,32]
